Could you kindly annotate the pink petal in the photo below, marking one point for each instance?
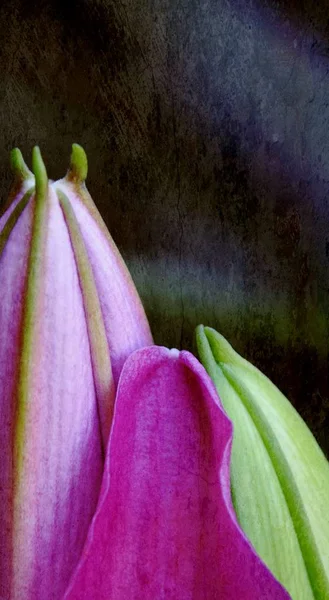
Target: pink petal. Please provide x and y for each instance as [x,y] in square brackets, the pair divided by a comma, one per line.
[165,526]
[13,266]
[125,323]
[23,189]
[47,502]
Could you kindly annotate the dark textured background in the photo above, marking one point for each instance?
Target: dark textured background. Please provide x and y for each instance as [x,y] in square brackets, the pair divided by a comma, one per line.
[206,127]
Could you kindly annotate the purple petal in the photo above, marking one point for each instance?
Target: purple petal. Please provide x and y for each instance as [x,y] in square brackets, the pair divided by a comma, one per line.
[165,526]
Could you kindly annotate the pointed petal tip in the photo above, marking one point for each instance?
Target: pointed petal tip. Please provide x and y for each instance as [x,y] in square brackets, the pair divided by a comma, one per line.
[206,331]
[39,170]
[221,349]
[78,170]
[199,334]
[18,165]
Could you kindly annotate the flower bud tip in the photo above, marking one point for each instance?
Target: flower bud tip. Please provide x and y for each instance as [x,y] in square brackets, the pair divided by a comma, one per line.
[78,165]
[39,170]
[18,165]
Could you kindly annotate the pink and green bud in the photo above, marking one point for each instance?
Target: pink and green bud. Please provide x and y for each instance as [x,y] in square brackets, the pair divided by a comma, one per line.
[69,318]
[279,475]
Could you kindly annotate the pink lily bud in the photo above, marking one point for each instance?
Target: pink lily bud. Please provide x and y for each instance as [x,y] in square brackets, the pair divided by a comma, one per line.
[69,317]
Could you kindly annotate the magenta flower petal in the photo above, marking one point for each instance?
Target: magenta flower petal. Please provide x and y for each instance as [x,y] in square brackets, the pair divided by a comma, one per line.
[165,526]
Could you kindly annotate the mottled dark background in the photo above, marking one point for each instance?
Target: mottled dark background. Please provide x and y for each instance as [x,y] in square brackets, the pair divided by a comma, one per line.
[206,127]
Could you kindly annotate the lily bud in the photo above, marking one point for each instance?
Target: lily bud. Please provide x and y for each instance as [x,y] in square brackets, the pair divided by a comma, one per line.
[279,475]
[69,318]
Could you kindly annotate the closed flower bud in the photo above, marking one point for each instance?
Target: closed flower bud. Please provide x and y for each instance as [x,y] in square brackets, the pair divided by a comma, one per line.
[69,318]
[279,475]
